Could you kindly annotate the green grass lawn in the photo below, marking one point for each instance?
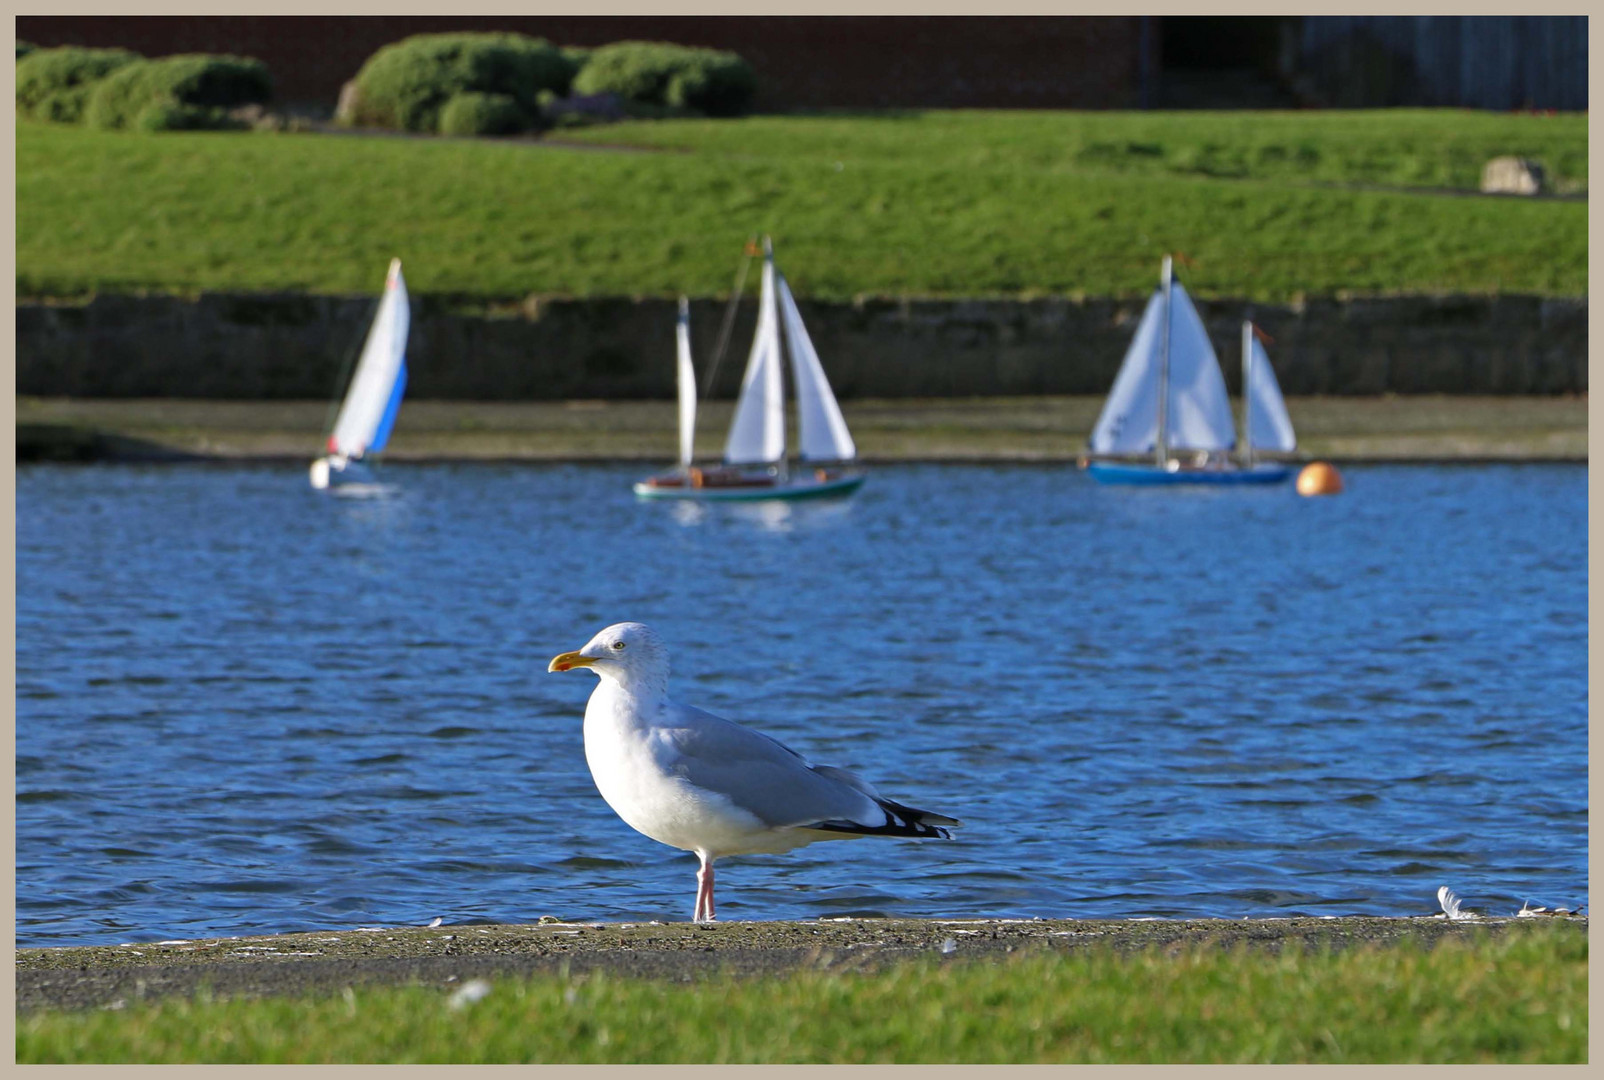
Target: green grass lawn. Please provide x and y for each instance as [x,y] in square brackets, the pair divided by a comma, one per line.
[934,204]
[1520,997]
[1415,148]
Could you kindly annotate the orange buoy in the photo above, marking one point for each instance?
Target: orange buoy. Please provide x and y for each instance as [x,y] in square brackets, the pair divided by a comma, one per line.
[1318,478]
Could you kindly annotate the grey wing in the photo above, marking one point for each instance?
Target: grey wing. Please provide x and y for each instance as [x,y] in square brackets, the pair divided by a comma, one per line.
[760,775]
[774,783]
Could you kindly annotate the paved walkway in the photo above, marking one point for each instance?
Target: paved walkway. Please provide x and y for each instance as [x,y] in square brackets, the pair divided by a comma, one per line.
[326,962]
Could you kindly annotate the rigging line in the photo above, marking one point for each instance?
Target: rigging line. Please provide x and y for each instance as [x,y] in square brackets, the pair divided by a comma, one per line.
[729,318]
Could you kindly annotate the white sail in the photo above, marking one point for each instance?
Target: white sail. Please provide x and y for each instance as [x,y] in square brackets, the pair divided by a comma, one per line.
[1128,423]
[687,384]
[822,431]
[1268,423]
[368,413]
[1199,416]
[757,434]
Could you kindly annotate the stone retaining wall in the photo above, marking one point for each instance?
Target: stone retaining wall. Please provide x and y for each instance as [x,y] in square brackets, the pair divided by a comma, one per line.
[297,346]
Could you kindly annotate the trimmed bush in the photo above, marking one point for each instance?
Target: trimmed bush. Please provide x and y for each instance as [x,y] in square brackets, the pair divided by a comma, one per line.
[55,84]
[24,48]
[717,83]
[406,85]
[211,84]
[675,76]
[170,116]
[482,114]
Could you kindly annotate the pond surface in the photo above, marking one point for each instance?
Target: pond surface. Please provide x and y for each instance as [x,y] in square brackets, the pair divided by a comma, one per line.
[243,707]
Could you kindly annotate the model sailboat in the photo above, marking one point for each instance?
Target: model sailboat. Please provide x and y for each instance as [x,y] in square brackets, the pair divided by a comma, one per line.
[368,413]
[755,465]
[1169,401]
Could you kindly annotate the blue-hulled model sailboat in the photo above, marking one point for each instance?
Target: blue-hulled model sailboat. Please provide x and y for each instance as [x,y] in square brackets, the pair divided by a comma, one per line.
[1169,405]
[368,413]
[755,465]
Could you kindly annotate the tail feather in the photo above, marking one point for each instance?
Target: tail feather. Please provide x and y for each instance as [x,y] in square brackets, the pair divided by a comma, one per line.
[900,821]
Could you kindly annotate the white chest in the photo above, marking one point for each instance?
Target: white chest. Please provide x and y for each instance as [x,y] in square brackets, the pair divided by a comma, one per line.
[640,781]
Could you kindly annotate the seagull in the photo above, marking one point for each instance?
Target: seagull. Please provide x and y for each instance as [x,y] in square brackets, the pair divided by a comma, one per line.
[701,783]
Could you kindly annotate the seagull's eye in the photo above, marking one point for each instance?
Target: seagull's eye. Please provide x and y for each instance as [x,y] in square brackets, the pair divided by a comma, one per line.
[618,646]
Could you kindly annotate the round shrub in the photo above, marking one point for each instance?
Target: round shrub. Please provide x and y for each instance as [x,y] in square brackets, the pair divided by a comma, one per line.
[406,85]
[55,84]
[717,83]
[170,116]
[676,76]
[482,114]
[216,83]
[634,70]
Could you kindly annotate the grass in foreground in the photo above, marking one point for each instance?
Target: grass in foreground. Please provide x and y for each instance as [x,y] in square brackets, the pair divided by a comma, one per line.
[935,204]
[1519,997]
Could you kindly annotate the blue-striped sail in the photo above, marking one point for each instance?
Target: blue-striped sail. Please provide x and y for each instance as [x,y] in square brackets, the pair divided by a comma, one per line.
[387,421]
[368,414]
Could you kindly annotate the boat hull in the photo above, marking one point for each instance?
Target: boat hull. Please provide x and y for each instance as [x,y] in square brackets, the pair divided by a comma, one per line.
[343,476]
[1116,472]
[798,488]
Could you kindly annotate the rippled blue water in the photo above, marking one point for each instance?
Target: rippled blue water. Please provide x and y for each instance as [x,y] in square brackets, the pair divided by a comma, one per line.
[243,707]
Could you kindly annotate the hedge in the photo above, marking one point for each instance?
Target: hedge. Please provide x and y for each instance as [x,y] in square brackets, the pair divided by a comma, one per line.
[55,84]
[204,86]
[406,85]
[675,76]
[171,116]
[483,114]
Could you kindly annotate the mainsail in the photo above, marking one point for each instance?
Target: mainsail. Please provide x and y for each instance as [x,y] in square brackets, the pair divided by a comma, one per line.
[368,414]
[1269,426]
[823,434]
[1199,408]
[757,434]
[1128,423]
[687,384]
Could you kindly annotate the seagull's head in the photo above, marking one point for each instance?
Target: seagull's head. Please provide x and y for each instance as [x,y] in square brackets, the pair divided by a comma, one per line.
[628,653]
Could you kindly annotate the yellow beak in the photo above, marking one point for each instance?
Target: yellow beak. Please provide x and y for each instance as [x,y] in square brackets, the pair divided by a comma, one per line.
[569,660]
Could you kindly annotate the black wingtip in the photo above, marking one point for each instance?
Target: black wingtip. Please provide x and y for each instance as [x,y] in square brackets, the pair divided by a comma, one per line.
[900,821]
[920,819]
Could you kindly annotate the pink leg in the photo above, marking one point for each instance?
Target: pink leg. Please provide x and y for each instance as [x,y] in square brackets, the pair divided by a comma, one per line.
[704,890]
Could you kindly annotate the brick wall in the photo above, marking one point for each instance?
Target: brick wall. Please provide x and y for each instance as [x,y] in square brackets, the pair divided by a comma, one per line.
[800,61]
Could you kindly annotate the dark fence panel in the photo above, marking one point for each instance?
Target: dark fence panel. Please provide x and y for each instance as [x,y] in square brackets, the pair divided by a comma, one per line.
[1481,62]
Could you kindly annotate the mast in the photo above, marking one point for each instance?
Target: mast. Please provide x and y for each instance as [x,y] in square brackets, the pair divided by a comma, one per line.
[785,453]
[1247,394]
[685,378]
[1161,452]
